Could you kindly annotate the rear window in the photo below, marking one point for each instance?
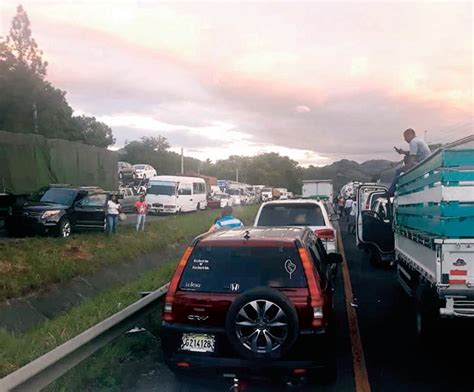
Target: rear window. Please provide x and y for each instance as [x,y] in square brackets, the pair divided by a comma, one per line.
[291,215]
[225,269]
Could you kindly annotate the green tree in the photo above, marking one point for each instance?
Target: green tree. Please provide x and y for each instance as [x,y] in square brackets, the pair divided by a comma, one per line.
[156,143]
[28,102]
[21,48]
[94,132]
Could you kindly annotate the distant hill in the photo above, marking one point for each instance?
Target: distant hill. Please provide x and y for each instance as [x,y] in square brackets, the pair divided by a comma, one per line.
[344,171]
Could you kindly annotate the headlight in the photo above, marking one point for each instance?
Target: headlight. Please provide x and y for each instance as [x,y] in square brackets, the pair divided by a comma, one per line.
[49,214]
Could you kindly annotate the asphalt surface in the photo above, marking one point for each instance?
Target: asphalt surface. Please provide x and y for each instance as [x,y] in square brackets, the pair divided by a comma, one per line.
[394,360]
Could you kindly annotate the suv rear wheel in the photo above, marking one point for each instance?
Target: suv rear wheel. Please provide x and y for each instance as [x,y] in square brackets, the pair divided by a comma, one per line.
[262,323]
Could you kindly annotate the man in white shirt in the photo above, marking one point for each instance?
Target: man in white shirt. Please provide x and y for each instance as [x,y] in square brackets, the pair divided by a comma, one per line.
[347,208]
[352,219]
[417,152]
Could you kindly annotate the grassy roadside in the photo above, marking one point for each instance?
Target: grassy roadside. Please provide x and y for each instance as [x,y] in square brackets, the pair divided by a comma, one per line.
[19,349]
[28,265]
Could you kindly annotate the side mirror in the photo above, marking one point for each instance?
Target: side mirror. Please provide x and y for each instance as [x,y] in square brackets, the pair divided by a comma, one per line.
[334,258]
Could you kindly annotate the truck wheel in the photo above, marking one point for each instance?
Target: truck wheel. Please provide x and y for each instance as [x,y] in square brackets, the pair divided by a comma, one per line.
[426,311]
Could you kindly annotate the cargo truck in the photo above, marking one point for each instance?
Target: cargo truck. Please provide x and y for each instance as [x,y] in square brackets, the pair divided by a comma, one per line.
[314,189]
[431,235]
[30,162]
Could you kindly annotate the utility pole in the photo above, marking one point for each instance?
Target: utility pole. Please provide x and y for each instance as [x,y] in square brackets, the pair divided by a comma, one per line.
[182,162]
[35,117]
[426,137]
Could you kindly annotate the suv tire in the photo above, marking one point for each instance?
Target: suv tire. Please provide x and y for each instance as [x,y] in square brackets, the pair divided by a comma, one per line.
[271,318]
[64,228]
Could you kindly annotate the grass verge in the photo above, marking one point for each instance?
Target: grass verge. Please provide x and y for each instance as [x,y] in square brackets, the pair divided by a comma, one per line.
[19,349]
[34,263]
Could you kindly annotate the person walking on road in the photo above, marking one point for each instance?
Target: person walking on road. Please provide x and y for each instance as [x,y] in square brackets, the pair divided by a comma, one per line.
[417,152]
[351,227]
[226,220]
[347,208]
[113,211]
[141,208]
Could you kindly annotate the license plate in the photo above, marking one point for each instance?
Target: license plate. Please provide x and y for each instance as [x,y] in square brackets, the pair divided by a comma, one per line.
[198,343]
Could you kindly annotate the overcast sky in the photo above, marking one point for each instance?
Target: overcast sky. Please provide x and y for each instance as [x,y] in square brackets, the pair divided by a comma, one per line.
[317,81]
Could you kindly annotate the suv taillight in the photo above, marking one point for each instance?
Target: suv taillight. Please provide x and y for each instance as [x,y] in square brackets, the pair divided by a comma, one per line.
[316,299]
[168,308]
[325,234]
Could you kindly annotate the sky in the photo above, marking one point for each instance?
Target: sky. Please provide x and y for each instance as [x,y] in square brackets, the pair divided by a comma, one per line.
[316,81]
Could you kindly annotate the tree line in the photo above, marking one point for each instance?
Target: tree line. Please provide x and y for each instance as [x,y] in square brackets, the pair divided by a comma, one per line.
[31,104]
[266,169]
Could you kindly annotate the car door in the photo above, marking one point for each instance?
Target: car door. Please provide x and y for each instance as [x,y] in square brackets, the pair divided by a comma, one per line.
[90,211]
[325,271]
[372,229]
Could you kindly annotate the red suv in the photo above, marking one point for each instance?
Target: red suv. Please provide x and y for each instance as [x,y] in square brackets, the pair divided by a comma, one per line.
[252,300]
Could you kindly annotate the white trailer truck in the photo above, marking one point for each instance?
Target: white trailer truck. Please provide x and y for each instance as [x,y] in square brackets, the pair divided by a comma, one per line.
[313,189]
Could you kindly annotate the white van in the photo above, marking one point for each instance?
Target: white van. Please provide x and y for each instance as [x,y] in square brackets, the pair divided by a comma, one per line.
[172,194]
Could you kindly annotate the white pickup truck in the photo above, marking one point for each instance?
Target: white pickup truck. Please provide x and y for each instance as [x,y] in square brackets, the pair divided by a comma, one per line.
[433,234]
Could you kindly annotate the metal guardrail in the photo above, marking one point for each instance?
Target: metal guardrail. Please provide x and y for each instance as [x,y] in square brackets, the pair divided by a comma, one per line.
[44,370]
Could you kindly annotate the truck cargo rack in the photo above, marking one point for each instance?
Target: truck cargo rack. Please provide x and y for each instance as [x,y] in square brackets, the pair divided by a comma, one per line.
[436,197]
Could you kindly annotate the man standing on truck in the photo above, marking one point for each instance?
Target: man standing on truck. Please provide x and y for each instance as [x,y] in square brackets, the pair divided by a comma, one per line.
[417,152]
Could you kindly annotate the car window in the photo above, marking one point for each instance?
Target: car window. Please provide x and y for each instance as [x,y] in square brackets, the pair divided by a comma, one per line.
[223,269]
[291,215]
[98,200]
[58,196]
[167,188]
[185,189]
[319,255]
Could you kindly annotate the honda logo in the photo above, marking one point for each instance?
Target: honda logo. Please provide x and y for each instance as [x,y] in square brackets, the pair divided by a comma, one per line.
[234,287]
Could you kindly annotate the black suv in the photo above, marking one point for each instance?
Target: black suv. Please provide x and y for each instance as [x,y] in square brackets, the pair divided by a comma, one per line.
[252,301]
[59,211]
